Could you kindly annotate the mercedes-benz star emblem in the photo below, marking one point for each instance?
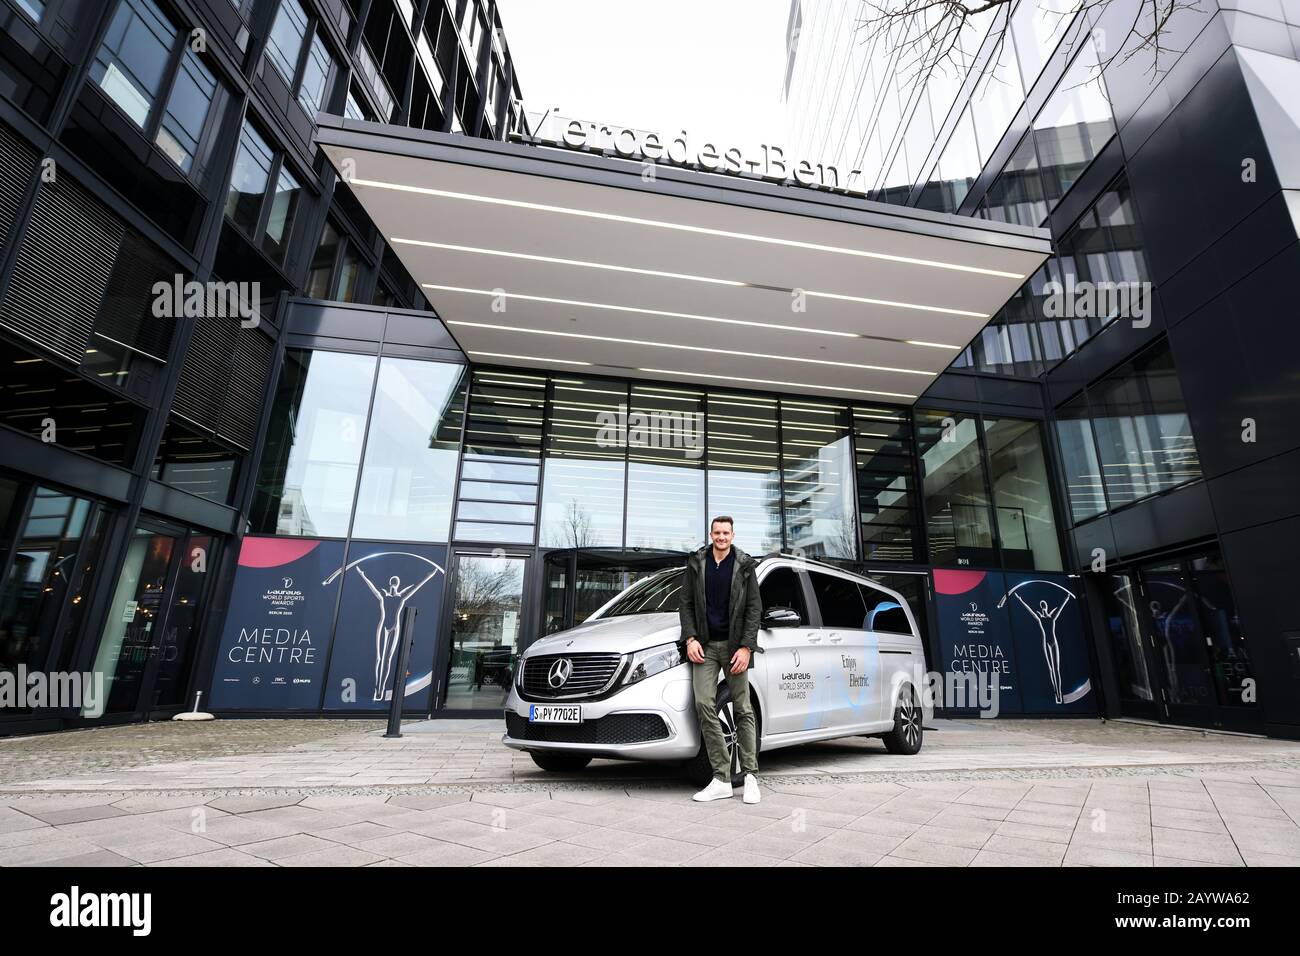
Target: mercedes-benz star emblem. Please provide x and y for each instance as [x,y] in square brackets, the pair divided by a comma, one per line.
[560,672]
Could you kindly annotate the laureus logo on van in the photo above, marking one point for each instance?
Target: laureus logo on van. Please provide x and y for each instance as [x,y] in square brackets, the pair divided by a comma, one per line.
[77,909]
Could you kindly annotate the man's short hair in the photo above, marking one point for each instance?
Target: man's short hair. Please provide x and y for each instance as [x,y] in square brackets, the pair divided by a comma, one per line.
[726,518]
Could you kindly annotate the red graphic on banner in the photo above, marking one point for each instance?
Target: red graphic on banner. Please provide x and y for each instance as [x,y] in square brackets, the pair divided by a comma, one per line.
[273,552]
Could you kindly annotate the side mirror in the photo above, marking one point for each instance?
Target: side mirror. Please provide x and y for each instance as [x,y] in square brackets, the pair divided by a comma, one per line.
[781,617]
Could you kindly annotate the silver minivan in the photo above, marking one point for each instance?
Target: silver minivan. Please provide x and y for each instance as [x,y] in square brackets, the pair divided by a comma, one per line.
[841,657]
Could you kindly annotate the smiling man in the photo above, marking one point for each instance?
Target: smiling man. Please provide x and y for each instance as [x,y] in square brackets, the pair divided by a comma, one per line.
[720,610]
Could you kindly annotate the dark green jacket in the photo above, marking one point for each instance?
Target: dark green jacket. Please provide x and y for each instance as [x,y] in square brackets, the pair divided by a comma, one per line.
[746,604]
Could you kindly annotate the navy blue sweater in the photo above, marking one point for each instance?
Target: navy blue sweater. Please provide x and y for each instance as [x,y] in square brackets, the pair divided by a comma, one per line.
[717,589]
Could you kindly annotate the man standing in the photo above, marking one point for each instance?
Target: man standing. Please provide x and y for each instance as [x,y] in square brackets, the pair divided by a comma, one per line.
[720,610]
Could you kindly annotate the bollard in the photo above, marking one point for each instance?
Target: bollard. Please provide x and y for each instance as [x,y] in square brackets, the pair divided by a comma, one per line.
[407,624]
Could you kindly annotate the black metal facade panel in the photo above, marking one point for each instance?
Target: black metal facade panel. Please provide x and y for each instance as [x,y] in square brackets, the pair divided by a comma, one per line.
[202,386]
[250,368]
[62,271]
[127,316]
[224,379]
[18,159]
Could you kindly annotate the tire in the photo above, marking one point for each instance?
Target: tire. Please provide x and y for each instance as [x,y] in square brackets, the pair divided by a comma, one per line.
[698,769]
[559,762]
[905,738]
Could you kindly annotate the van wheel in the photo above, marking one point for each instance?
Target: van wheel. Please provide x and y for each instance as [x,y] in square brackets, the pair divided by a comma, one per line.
[905,738]
[698,769]
[559,762]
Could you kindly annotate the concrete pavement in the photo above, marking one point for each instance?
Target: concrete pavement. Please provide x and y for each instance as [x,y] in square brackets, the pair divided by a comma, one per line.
[298,792]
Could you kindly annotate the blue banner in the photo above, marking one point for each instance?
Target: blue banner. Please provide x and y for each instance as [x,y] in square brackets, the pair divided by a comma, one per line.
[975,638]
[379,581]
[1047,624]
[274,647]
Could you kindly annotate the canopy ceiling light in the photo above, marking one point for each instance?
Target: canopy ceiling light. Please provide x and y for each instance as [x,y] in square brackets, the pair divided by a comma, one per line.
[538,258]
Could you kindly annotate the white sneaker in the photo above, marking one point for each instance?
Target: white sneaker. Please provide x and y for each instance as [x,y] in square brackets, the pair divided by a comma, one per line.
[716,790]
[751,788]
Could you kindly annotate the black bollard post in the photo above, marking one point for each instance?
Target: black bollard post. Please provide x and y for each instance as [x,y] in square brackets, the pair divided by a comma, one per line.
[407,625]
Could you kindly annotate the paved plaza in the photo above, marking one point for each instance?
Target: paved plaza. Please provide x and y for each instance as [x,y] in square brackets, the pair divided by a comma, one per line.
[335,793]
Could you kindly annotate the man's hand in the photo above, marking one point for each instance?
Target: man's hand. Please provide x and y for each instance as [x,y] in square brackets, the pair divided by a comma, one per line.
[740,660]
[694,653]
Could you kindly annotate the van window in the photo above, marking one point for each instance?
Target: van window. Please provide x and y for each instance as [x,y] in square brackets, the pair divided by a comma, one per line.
[781,589]
[839,600]
[884,613]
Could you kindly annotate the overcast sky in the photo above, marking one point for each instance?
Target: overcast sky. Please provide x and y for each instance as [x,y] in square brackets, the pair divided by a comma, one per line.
[711,67]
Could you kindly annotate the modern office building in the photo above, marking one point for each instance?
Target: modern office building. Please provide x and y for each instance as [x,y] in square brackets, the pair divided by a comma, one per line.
[411,350]
[172,142]
[1173,453]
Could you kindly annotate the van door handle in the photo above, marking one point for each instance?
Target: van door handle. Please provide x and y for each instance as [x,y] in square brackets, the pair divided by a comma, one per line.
[814,640]
[835,639]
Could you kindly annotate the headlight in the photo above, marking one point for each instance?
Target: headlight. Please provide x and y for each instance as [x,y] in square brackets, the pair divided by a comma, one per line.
[651,661]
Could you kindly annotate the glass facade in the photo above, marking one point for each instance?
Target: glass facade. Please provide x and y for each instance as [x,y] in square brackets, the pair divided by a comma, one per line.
[744,469]
[408,472]
[313,449]
[585,472]
[665,476]
[48,566]
[1022,496]
[955,492]
[1144,438]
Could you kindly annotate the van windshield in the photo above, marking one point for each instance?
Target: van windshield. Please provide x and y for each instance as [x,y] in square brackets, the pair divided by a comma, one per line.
[655,595]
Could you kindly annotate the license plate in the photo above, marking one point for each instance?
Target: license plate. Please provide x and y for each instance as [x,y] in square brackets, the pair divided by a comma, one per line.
[555,713]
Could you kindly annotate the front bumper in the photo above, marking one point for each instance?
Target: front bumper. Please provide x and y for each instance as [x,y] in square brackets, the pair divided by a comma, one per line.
[653,719]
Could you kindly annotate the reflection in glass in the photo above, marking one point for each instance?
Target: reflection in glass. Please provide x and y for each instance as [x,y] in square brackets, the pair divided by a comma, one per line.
[484,631]
[139,605]
[665,481]
[1023,499]
[1016,196]
[503,441]
[180,642]
[956,500]
[410,463]
[1074,124]
[1144,438]
[46,563]
[287,34]
[886,485]
[1171,613]
[958,168]
[1079,459]
[1038,26]
[132,60]
[195,463]
[817,480]
[313,446]
[744,476]
[248,181]
[187,110]
[284,209]
[1122,601]
[998,94]
[1224,637]
[322,263]
[582,488]
[311,93]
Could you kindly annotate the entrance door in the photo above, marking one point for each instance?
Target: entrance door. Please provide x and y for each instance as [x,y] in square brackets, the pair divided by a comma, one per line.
[150,637]
[485,631]
[1179,644]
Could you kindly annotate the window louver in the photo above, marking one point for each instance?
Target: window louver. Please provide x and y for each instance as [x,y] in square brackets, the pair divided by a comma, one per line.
[62,270]
[224,379]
